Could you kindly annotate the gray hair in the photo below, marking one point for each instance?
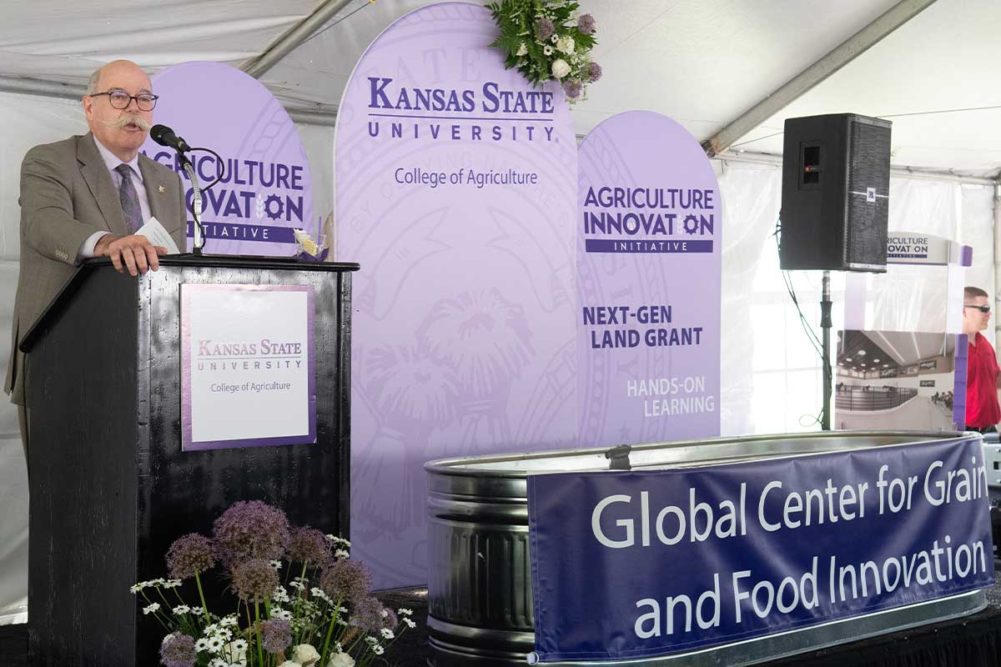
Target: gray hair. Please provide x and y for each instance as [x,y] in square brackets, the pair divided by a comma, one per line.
[95,79]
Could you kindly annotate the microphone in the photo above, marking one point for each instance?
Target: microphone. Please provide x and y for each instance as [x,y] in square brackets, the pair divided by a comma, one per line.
[165,136]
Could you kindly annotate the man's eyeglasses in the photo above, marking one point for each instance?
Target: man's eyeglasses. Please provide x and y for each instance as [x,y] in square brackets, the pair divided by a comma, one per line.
[982,309]
[121,100]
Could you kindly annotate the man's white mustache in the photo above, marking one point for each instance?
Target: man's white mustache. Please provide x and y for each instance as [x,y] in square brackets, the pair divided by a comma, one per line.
[129,119]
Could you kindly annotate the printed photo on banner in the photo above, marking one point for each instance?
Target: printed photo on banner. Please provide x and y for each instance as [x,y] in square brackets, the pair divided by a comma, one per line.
[897,380]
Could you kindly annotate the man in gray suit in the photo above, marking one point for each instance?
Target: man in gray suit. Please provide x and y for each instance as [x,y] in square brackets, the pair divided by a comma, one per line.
[86,196]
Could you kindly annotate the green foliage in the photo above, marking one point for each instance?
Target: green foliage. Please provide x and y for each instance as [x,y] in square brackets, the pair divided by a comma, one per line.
[547,40]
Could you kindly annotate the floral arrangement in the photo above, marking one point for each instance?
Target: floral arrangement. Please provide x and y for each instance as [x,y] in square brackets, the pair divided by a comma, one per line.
[546,40]
[300,600]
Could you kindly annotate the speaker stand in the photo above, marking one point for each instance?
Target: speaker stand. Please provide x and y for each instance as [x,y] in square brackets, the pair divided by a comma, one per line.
[825,325]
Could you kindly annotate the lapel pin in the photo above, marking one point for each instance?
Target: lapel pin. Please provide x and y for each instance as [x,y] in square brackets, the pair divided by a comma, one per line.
[161,189]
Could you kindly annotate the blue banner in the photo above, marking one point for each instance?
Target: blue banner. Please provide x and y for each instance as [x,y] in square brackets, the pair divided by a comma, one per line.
[637,564]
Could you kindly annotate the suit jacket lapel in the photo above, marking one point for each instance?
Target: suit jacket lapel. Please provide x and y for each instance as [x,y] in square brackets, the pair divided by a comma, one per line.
[156,192]
[95,174]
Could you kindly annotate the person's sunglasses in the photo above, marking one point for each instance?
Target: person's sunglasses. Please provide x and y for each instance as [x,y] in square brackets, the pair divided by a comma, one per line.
[982,309]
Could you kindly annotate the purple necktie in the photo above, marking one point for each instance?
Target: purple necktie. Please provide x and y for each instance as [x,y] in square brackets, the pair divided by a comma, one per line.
[130,199]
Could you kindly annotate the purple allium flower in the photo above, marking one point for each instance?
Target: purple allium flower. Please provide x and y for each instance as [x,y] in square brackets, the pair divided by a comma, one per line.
[276,635]
[345,580]
[593,72]
[250,529]
[177,650]
[309,544]
[367,614]
[572,88]
[190,555]
[254,580]
[585,23]
[544,28]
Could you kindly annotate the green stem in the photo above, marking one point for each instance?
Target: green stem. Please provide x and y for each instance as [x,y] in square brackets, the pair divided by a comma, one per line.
[326,643]
[260,643]
[201,595]
[330,633]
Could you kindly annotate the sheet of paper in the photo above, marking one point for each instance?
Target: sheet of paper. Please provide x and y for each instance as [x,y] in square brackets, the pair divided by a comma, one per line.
[157,235]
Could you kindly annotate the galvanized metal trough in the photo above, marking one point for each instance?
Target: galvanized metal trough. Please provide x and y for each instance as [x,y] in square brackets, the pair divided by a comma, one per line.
[479,586]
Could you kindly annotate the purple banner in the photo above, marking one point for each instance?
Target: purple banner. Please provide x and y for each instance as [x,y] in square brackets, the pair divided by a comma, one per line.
[455,191]
[266,188]
[649,262]
[647,246]
[680,560]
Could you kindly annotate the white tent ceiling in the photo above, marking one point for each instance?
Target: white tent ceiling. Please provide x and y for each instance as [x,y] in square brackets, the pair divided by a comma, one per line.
[702,62]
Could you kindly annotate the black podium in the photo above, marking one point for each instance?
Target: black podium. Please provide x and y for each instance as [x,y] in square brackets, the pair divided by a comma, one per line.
[110,486]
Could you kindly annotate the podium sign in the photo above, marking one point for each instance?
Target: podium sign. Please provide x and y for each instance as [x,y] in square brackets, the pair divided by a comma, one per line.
[247,366]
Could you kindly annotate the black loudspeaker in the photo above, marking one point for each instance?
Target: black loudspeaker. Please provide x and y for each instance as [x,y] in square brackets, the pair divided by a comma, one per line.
[835,193]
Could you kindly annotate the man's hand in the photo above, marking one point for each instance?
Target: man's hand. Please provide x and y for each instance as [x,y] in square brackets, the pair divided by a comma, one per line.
[134,253]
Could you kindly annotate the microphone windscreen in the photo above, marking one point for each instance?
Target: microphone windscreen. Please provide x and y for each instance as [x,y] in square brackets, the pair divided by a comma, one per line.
[163,135]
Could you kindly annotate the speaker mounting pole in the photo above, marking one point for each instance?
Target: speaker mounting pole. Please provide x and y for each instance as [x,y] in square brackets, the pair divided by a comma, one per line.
[825,325]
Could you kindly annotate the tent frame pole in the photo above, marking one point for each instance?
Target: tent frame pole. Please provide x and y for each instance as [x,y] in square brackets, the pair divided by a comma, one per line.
[841,55]
[293,38]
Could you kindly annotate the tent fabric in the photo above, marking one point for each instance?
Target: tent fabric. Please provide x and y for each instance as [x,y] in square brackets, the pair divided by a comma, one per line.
[700,63]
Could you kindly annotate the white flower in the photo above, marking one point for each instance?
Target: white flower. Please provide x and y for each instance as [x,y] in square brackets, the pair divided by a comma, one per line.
[171,583]
[560,68]
[150,609]
[305,655]
[318,592]
[378,650]
[228,620]
[410,624]
[548,50]
[341,553]
[216,644]
[218,662]
[565,45]
[236,651]
[386,633]
[554,38]
[289,663]
[403,611]
[182,609]
[298,585]
[202,645]
[341,660]
[277,564]
[339,541]
[522,50]
[283,614]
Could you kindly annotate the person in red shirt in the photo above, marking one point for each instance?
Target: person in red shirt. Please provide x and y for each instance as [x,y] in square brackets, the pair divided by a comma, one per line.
[982,372]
